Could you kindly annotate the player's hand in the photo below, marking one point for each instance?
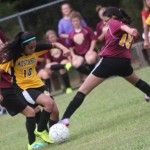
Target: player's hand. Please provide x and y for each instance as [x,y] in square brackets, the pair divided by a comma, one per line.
[66,52]
[134,32]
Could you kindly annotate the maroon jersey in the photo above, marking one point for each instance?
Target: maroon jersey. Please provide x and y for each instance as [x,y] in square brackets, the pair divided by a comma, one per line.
[55,54]
[81,41]
[5,81]
[117,42]
[99,28]
[5,77]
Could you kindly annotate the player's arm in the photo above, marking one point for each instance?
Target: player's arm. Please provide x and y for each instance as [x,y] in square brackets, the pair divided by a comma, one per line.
[66,51]
[42,47]
[131,31]
[92,46]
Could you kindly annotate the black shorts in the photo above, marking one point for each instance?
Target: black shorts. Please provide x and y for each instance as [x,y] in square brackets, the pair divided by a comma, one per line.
[107,67]
[30,95]
[11,101]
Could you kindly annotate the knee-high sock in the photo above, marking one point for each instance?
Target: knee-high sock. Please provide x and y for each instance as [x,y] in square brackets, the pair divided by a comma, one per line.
[74,104]
[143,86]
[83,69]
[66,80]
[43,120]
[37,116]
[30,126]
[52,122]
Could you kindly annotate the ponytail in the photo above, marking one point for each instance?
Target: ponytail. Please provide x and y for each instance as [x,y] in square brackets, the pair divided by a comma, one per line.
[118,14]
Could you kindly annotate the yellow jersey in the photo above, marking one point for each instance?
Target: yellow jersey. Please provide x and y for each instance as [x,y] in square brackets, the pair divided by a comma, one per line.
[148,20]
[23,70]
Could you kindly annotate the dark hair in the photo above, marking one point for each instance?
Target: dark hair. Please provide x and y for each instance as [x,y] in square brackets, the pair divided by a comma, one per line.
[118,14]
[14,49]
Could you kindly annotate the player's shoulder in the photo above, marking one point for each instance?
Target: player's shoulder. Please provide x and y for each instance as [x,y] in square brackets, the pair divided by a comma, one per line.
[87,29]
[115,23]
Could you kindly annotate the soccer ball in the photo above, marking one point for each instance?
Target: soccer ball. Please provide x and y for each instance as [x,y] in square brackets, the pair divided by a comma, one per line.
[59,133]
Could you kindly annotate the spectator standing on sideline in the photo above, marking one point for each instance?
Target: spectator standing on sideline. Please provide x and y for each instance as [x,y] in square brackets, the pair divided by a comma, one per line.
[65,25]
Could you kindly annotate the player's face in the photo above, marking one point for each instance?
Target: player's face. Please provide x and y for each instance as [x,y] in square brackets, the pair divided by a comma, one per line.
[30,48]
[66,10]
[52,38]
[100,13]
[148,3]
[76,22]
[106,19]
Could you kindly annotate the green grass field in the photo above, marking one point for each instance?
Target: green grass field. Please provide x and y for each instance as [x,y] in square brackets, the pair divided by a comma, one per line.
[114,116]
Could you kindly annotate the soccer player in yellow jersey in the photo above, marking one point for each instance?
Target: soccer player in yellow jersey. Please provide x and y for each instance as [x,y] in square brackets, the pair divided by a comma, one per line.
[20,56]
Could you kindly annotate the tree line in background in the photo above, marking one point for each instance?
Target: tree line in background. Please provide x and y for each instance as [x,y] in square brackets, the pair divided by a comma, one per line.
[48,18]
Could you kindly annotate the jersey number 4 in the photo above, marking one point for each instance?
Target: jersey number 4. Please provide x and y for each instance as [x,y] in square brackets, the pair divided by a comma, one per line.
[27,72]
[126,40]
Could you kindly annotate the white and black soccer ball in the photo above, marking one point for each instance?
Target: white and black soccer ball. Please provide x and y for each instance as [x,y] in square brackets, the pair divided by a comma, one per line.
[59,133]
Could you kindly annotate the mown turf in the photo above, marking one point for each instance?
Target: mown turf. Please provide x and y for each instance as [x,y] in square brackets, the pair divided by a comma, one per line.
[114,116]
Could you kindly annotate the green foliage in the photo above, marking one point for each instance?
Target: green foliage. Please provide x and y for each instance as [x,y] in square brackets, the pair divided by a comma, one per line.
[134,10]
[48,18]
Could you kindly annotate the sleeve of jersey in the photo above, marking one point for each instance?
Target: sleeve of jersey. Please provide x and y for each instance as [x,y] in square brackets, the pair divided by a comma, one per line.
[115,25]
[6,66]
[42,49]
[148,20]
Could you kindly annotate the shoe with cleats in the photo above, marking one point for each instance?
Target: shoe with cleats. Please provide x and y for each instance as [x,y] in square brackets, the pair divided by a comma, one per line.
[44,136]
[35,145]
[147,98]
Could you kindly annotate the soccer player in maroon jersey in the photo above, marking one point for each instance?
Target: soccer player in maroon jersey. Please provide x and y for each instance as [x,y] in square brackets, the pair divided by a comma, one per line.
[115,59]
[82,42]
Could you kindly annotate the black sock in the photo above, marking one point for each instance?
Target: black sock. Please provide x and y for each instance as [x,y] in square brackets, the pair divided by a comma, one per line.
[37,116]
[48,84]
[74,104]
[83,69]
[43,120]
[57,67]
[30,126]
[52,122]
[143,86]
[66,80]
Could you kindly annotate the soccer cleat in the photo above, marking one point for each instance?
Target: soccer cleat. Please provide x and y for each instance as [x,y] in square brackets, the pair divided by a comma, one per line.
[147,98]
[65,121]
[35,145]
[44,136]
[68,90]
[68,66]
